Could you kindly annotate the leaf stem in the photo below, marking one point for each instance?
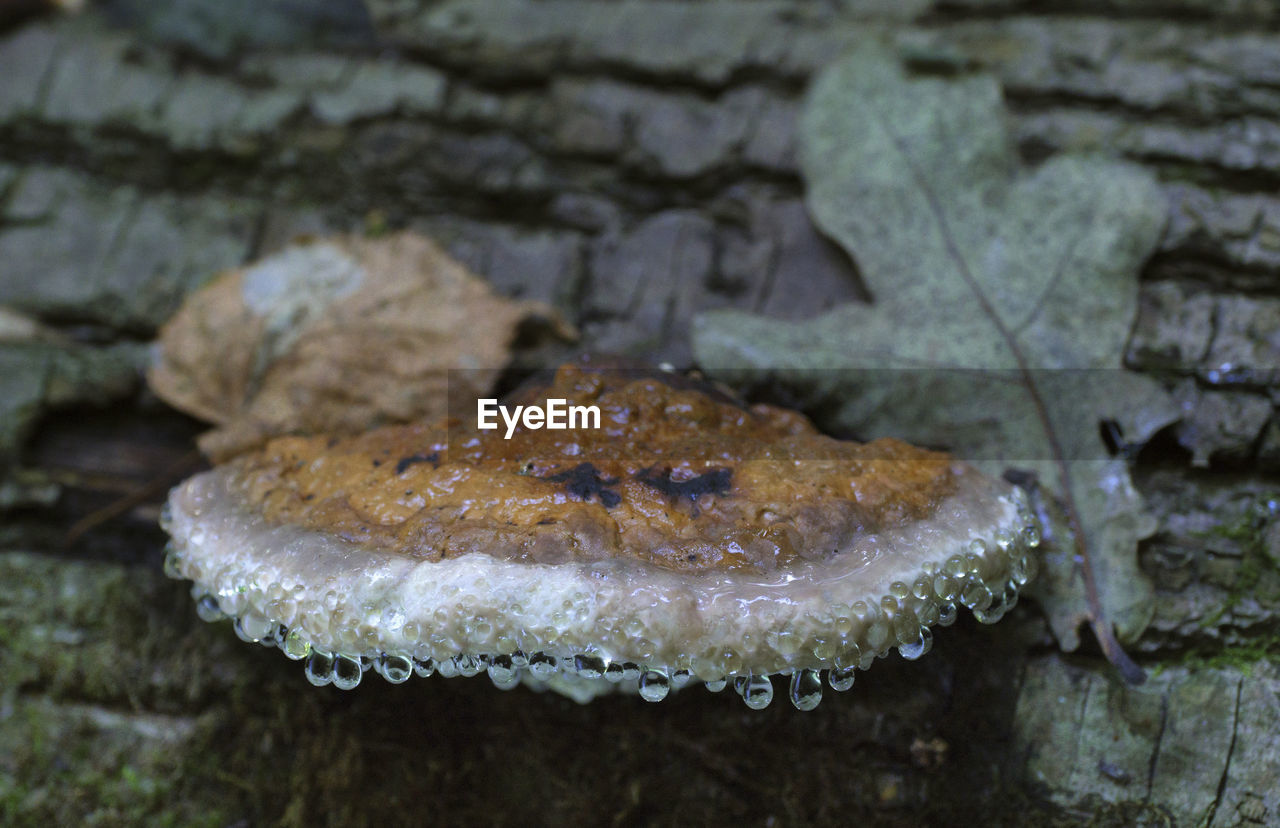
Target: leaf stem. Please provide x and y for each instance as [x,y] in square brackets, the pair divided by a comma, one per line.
[1102,628]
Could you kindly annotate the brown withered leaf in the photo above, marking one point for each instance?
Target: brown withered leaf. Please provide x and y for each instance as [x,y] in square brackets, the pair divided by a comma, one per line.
[334,335]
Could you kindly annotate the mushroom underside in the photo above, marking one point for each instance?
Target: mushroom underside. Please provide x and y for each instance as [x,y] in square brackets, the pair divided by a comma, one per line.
[583,628]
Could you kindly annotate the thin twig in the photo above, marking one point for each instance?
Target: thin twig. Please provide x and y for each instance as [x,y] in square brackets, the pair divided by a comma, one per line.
[170,475]
[1098,620]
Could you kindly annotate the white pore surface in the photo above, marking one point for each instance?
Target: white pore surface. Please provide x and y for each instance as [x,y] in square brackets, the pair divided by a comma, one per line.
[346,598]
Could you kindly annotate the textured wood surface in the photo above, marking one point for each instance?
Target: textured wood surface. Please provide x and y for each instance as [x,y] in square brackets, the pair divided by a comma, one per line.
[631,163]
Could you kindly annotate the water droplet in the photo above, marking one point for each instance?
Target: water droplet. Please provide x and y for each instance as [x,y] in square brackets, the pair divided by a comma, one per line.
[1031,534]
[654,685]
[294,646]
[467,665]
[976,596]
[784,641]
[173,562]
[276,637]
[319,668]
[1007,599]
[989,616]
[947,614]
[395,668]
[503,673]
[824,649]
[680,678]
[252,627]
[424,666]
[757,692]
[1010,595]
[1031,561]
[208,610]
[240,631]
[841,678]
[917,648]
[877,635]
[851,656]
[541,664]
[588,666]
[806,689]
[716,685]
[1018,569]
[448,668]
[906,627]
[255,626]
[519,660]
[392,619]
[346,672]
[978,547]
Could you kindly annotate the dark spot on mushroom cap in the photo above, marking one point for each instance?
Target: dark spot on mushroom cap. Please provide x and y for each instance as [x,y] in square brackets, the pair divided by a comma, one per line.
[716,482]
[584,482]
[405,462]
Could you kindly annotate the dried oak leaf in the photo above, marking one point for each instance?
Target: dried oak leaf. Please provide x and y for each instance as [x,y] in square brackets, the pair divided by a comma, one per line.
[334,335]
[990,282]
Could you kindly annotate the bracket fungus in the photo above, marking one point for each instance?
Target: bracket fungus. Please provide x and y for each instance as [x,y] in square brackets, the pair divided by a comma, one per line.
[689,538]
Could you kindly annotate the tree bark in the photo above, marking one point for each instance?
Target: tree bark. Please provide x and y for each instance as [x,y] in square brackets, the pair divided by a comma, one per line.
[633,164]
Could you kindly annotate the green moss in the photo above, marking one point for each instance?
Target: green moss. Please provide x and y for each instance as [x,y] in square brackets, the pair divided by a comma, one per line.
[1240,657]
[1249,531]
[72,765]
[1130,814]
[1258,577]
[376,225]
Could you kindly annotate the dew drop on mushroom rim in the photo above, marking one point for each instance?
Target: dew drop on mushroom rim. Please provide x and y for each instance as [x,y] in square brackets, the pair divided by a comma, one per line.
[690,538]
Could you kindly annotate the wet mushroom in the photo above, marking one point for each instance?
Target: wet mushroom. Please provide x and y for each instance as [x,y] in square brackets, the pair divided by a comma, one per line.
[688,538]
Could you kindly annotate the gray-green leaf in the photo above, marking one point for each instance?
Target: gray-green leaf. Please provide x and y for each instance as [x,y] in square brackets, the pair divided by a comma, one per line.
[978,268]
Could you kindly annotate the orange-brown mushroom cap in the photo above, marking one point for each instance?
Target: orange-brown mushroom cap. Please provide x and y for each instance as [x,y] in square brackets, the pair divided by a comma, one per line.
[689,536]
